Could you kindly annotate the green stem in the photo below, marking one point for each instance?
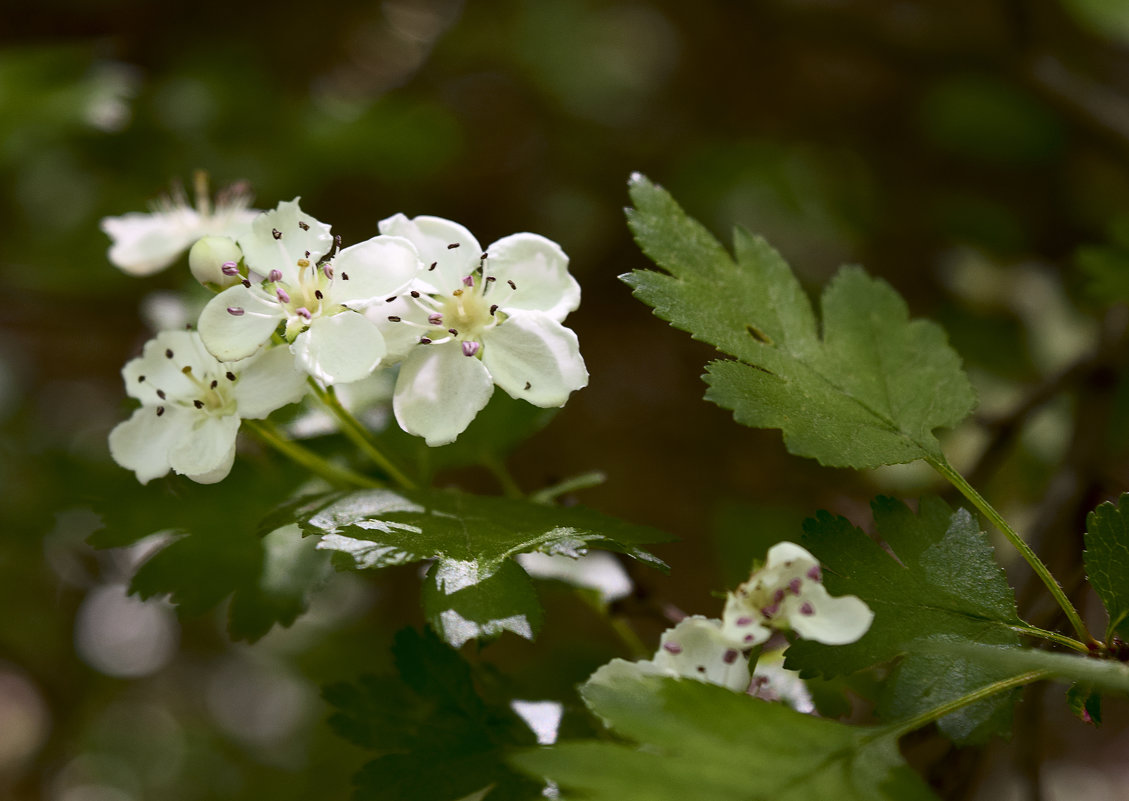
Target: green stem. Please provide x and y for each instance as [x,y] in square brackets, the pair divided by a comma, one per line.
[996,519]
[592,478]
[360,435]
[625,633]
[498,469]
[332,473]
[1053,636]
[938,712]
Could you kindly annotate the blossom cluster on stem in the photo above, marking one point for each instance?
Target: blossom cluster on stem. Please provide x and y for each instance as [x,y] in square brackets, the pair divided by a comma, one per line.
[786,594]
[422,295]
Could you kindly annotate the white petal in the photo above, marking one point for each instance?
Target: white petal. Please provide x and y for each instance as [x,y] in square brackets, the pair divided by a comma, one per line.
[155,370]
[534,358]
[539,269]
[834,621]
[338,349]
[206,452]
[399,337]
[439,391]
[742,625]
[433,237]
[376,269]
[230,337]
[147,243]
[696,649]
[142,443]
[789,552]
[263,251]
[269,382]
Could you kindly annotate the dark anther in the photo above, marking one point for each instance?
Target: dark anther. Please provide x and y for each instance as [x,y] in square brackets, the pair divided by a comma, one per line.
[214,384]
[161,394]
[199,404]
[303,226]
[160,410]
[230,376]
[140,378]
[246,283]
[415,294]
[433,265]
[452,246]
[452,332]
[277,234]
[307,254]
[344,276]
[393,319]
[168,353]
[528,386]
[389,300]
[491,278]
[318,294]
[512,285]
[484,255]
[701,668]
[493,309]
[337,241]
[424,341]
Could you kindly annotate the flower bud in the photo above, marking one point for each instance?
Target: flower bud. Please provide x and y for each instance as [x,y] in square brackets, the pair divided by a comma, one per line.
[213,261]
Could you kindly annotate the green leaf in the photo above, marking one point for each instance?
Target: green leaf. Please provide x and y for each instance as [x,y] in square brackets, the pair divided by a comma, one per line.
[474,589]
[866,391]
[940,586]
[1107,271]
[482,609]
[707,743]
[218,547]
[437,739]
[1107,561]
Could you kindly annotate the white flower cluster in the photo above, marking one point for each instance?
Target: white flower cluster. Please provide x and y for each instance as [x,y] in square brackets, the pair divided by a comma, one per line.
[786,594]
[457,318]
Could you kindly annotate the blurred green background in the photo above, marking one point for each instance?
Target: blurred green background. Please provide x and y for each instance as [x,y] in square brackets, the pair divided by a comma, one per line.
[973,152]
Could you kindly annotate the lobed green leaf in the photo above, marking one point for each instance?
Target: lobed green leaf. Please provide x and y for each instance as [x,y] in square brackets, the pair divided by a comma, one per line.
[474,590]
[937,586]
[704,742]
[1107,561]
[868,390]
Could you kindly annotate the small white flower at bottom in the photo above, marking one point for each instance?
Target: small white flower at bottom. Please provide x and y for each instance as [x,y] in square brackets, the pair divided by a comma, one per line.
[694,649]
[788,593]
[192,406]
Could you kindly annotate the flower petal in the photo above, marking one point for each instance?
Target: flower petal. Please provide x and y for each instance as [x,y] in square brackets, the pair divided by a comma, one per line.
[144,244]
[338,349]
[156,371]
[833,621]
[539,269]
[142,442]
[741,624]
[376,268]
[534,358]
[237,321]
[269,382]
[439,391]
[433,238]
[206,452]
[263,251]
[400,336]
[696,649]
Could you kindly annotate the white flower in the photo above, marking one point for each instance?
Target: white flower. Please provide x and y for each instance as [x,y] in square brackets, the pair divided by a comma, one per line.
[774,682]
[317,300]
[694,649]
[481,318]
[143,244]
[192,405]
[788,593]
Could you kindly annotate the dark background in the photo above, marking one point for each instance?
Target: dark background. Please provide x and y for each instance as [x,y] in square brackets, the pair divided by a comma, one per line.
[966,150]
